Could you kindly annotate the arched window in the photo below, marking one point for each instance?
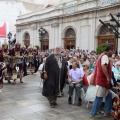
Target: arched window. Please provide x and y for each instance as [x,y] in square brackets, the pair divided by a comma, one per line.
[70,39]
[70,33]
[105,30]
[46,35]
[26,39]
[106,36]
[45,42]
[27,36]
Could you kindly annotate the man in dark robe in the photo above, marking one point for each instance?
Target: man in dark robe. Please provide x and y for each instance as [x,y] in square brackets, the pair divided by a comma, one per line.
[55,74]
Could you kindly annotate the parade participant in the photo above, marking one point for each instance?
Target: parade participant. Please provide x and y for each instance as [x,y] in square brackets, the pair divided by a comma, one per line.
[17,63]
[30,60]
[116,106]
[1,75]
[1,56]
[7,61]
[36,58]
[54,75]
[23,53]
[1,70]
[102,78]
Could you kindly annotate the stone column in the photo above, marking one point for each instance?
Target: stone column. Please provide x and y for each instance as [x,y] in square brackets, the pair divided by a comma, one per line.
[18,35]
[55,35]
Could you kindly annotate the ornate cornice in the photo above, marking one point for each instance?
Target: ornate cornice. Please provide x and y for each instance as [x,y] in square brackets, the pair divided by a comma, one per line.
[62,11]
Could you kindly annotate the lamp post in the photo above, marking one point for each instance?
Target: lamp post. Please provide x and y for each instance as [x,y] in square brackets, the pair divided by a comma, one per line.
[41,33]
[115,23]
[114,27]
[9,36]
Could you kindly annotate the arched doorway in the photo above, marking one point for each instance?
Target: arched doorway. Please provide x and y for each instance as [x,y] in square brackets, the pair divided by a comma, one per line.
[106,36]
[45,42]
[26,40]
[70,39]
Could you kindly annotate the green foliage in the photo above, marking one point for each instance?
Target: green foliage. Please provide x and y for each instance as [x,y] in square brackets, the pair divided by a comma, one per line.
[37,47]
[40,39]
[101,48]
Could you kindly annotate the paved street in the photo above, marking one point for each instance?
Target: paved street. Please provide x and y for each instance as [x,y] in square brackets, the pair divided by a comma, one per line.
[25,102]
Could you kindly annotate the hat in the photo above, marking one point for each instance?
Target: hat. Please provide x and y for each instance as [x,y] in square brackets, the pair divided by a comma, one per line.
[23,46]
[17,43]
[34,48]
[5,43]
[30,47]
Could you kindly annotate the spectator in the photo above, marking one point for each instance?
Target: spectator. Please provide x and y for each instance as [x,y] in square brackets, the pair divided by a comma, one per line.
[91,61]
[41,68]
[75,79]
[116,71]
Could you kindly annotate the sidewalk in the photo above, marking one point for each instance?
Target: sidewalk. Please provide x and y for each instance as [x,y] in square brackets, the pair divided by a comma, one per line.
[25,102]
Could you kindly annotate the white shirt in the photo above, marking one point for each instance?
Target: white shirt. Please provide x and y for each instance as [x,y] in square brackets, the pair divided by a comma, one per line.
[41,66]
[76,74]
[104,60]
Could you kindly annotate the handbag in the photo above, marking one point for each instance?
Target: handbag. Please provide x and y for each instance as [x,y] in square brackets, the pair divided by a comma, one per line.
[85,81]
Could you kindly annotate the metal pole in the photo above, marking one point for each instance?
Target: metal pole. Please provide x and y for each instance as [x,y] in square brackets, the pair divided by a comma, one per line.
[117,37]
[9,43]
[117,45]
[41,45]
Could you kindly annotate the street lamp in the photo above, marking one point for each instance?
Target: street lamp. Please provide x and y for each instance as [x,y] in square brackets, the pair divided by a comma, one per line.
[115,24]
[9,36]
[114,27]
[41,33]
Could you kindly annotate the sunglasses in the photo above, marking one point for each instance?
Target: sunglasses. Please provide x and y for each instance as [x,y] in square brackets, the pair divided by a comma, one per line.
[84,65]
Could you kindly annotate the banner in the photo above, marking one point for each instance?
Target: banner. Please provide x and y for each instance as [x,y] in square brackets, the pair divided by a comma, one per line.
[2,30]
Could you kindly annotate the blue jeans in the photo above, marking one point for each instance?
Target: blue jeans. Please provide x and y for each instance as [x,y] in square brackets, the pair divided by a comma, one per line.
[97,103]
[77,87]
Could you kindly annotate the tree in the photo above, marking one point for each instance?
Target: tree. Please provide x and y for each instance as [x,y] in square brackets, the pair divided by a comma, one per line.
[37,47]
[101,48]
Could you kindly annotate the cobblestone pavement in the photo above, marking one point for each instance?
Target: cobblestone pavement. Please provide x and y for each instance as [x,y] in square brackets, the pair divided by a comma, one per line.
[25,102]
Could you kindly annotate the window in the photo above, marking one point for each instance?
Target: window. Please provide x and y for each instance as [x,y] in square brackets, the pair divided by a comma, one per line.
[70,33]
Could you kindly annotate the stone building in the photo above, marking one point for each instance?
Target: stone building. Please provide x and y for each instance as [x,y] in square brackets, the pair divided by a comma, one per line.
[71,24]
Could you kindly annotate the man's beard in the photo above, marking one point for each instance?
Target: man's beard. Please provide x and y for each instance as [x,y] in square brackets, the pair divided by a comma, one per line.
[57,53]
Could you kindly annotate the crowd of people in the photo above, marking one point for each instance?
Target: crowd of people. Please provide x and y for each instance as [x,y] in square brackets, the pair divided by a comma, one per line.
[99,75]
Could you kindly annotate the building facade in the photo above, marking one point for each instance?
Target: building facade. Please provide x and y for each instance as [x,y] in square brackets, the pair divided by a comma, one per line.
[70,24]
